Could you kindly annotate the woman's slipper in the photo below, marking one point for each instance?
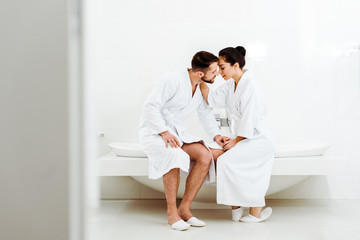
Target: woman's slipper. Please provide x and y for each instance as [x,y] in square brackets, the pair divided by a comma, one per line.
[194,222]
[265,214]
[237,214]
[180,225]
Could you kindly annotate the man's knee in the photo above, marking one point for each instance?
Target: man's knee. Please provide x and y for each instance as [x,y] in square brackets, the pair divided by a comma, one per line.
[205,157]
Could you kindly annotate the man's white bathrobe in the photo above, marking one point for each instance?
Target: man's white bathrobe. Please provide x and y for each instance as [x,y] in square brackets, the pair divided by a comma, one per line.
[168,106]
[243,172]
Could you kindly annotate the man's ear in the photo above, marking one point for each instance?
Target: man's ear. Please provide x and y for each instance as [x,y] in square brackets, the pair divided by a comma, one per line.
[236,65]
[200,74]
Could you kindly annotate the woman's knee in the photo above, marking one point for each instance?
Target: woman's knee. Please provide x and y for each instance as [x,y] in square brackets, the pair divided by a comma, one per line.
[216,153]
[221,159]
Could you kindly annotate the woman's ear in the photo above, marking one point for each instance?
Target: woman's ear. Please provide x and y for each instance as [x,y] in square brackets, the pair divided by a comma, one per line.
[236,65]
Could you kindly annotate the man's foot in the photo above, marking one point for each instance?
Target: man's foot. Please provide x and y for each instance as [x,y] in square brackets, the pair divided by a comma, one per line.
[195,222]
[173,218]
[180,225]
[188,217]
[185,214]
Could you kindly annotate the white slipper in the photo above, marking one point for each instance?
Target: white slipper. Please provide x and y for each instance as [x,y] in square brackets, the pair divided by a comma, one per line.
[194,222]
[265,214]
[237,214]
[180,225]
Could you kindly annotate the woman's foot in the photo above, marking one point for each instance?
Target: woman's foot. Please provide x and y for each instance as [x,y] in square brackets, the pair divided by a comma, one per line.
[237,213]
[265,214]
[255,211]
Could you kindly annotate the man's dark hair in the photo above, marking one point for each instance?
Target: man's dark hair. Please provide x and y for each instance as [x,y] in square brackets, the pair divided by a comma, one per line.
[202,60]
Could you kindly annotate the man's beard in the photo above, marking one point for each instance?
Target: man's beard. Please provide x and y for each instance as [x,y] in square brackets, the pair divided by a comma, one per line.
[211,81]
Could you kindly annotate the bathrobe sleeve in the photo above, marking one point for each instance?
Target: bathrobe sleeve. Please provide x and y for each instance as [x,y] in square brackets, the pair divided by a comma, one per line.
[157,99]
[217,98]
[251,113]
[207,119]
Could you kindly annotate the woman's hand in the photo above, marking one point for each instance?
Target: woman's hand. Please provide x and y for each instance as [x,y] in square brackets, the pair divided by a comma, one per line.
[204,91]
[170,139]
[230,143]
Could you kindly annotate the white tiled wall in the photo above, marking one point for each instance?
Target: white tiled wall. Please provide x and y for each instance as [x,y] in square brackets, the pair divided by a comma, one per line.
[297,50]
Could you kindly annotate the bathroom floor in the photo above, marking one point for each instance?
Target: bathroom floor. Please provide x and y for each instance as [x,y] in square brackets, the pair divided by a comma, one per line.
[291,220]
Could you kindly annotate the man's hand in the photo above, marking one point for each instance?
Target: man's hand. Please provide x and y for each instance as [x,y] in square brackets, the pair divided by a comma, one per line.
[170,139]
[217,139]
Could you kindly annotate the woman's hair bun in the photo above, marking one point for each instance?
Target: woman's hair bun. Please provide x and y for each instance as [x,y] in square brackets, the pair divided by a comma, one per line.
[241,49]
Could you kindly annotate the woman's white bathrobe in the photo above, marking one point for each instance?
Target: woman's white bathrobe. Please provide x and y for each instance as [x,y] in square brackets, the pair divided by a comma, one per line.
[243,172]
[168,106]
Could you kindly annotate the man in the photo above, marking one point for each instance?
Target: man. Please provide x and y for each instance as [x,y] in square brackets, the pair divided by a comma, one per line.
[165,140]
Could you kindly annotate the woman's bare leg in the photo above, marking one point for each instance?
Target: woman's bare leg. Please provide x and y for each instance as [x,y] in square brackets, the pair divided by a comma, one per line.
[216,153]
[255,211]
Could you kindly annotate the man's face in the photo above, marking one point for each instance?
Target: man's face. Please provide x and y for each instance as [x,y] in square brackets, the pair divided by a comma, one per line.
[211,74]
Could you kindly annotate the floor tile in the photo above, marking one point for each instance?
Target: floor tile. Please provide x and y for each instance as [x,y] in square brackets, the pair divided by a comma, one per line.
[291,219]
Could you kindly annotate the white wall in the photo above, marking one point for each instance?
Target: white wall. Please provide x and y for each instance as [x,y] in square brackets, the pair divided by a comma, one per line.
[296,50]
[34,165]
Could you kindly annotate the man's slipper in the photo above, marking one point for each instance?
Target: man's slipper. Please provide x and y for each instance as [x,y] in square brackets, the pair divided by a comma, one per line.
[237,214]
[180,225]
[194,222]
[265,214]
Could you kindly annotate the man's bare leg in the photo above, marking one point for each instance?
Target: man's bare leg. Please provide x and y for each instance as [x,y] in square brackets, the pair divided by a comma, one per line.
[171,184]
[202,157]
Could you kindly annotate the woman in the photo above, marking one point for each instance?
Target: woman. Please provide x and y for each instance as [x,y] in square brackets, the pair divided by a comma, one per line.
[244,167]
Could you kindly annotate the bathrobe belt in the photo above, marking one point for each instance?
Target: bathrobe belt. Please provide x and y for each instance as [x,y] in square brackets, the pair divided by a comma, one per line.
[173,122]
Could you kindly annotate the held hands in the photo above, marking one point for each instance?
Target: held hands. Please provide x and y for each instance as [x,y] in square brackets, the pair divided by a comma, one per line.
[227,143]
[221,140]
[170,139]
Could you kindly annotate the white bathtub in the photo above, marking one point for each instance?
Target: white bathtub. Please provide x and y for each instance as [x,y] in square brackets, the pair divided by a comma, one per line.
[293,163]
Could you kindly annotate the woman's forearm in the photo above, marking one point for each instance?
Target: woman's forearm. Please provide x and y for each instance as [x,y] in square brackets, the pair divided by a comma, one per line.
[205,91]
[238,139]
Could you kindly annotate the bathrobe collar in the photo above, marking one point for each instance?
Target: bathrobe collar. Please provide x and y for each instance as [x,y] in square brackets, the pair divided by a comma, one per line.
[189,98]
[234,97]
[197,89]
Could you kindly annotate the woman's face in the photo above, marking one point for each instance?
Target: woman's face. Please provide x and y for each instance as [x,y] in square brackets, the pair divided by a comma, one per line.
[225,69]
